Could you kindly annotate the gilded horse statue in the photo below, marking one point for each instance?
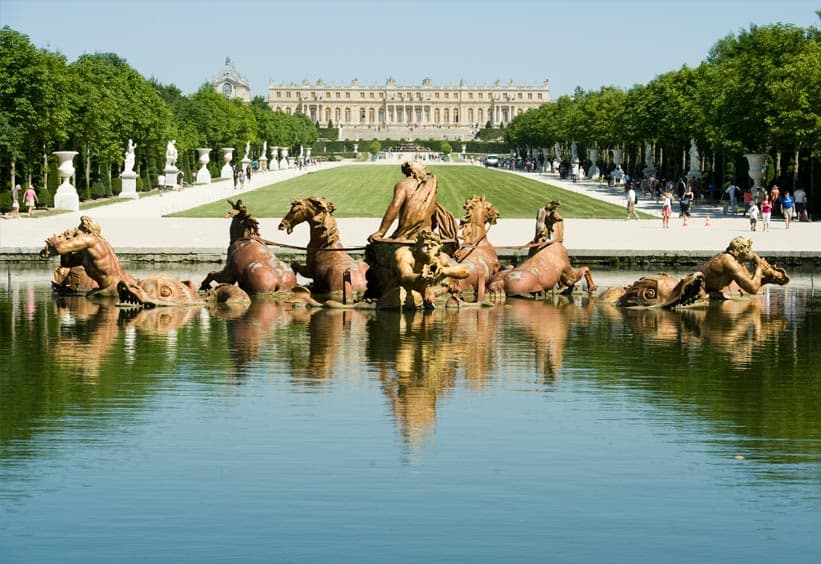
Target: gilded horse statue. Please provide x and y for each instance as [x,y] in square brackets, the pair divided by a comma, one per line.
[251,264]
[330,267]
[476,252]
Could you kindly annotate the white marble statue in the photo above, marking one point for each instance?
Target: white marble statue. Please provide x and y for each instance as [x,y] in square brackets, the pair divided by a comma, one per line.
[695,160]
[247,150]
[574,153]
[128,166]
[265,149]
[171,154]
[648,155]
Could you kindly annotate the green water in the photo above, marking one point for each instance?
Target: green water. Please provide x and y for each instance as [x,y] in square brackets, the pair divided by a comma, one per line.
[559,430]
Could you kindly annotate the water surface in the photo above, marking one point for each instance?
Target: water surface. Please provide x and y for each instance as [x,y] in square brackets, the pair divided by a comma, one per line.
[558,430]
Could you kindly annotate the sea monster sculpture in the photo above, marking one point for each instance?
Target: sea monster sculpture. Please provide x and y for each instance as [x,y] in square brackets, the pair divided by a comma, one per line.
[250,263]
[657,290]
[84,247]
[159,290]
[330,268]
[724,273]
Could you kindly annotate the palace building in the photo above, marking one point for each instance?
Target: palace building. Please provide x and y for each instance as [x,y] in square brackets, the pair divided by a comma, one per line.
[231,83]
[387,110]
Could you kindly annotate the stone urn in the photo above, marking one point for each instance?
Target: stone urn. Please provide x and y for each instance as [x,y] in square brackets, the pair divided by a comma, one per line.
[227,170]
[66,197]
[757,162]
[203,176]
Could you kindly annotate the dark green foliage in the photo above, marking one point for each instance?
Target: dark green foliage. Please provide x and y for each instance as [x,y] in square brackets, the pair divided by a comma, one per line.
[116,186]
[98,190]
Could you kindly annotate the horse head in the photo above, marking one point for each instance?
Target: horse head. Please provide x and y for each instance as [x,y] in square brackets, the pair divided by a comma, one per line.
[306,209]
[479,212]
[243,224]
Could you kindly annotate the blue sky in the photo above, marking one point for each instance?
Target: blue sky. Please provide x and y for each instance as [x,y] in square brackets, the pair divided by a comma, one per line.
[587,43]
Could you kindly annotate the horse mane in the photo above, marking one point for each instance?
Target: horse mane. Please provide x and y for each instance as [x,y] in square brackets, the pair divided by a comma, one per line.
[472,224]
[243,224]
[322,220]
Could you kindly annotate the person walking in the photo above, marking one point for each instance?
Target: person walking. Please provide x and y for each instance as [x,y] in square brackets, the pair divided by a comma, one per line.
[685,203]
[666,210]
[752,212]
[31,198]
[631,204]
[15,201]
[766,213]
[787,203]
[732,197]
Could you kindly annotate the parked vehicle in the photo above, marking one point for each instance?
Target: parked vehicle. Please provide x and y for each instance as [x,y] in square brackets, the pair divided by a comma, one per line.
[492,160]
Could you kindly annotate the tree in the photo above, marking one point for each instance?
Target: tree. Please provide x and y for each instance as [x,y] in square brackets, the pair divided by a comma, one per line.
[33,102]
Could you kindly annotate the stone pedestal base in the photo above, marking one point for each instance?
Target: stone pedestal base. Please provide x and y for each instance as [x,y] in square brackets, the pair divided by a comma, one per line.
[227,171]
[171,178]
[129,183]
[67,198]
[593,172]
[203,176]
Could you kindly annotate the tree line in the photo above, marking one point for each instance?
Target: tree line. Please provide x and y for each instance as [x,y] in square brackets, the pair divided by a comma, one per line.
[96,103]
[756,92]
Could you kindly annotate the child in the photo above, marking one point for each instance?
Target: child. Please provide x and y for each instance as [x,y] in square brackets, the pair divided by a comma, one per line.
[753,213]
[766,213]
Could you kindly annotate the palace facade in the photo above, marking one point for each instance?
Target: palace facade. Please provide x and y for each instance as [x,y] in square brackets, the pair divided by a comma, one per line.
[231,83]
[391,105]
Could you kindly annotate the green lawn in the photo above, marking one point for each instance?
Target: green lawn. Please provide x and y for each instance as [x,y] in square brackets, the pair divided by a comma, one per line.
[365,191]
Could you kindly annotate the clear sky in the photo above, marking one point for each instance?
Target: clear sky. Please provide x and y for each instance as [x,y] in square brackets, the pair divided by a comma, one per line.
[587,43]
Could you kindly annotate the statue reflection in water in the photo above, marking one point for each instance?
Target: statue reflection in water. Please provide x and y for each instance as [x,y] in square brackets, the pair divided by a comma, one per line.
[736,327]
[547,324]
[90,331]
[419,357]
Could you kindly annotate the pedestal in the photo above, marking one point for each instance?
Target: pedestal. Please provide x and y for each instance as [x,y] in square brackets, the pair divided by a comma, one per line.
[227,170]
[203,176]
[66,197]
[171,178]
[129,185]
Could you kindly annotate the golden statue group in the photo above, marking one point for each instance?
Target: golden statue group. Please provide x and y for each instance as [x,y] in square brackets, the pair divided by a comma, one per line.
[429,259]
